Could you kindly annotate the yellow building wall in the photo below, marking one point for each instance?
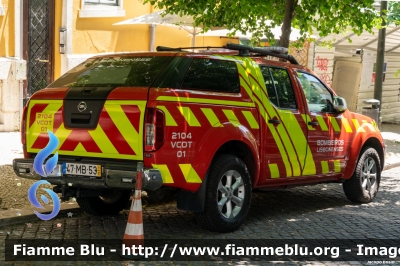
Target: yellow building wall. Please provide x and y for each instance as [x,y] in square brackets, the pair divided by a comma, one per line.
[7,36]
[98,35]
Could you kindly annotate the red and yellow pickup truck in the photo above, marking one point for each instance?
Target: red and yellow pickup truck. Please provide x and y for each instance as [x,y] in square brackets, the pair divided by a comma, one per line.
[212,124]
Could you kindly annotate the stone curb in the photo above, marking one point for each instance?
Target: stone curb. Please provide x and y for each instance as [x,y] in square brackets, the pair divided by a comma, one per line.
[390,166]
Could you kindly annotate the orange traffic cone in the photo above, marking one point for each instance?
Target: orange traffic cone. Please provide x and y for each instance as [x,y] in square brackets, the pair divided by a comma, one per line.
[134,235]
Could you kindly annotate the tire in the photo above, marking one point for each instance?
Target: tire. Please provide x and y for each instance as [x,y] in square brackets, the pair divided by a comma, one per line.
[222,211]
[109,203]
[363,186]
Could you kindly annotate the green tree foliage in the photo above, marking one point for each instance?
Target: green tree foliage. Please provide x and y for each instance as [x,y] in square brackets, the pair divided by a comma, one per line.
[393,13]
[259,17]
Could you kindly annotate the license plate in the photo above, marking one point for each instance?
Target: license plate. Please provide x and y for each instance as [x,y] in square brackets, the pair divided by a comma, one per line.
[81,169]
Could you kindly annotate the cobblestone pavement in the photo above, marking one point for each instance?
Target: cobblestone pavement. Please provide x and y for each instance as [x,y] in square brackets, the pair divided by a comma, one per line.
[315,212]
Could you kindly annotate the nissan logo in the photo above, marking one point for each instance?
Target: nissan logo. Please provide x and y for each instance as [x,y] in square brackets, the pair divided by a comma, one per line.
[82,106]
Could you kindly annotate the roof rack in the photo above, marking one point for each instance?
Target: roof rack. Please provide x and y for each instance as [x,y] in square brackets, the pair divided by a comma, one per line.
[279,52]
[244,50]
[180,49]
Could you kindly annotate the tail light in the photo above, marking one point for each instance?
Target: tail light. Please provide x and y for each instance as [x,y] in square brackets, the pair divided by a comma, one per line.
[154,129]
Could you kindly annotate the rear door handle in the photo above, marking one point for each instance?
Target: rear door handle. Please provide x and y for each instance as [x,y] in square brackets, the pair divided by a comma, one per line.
[313,123]
[274,121]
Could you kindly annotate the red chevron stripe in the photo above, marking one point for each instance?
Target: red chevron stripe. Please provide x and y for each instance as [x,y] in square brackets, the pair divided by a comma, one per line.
[80,136]
[132,112]
[37,108]
[113,134]
[58,119]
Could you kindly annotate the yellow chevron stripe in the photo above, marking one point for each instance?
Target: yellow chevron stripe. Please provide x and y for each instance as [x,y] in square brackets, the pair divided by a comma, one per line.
[165,173]
[369,125]
[80,148]
[169,120]
[203,100]
[325,167]
[336,164]
[307,119]
[321,123]
[106,145]
[212,118]
[189,116]
[35,130]
[255,89]
[294,131]
[250,119]
[273,168]
[190,174]
[127,130]
[357,125]
[232,117]
[334,123]
[264,114]
[346,125]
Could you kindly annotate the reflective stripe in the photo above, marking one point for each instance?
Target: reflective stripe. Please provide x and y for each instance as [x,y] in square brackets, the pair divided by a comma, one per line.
[211,117]
[123,118]
[336,164]
[325,167]
[169,120]
[256,90]
[190,174]
[189,116]
[134,230]
[334,123]
[250,119]
[232,117]
[369,125]
[123,124]
[321,123]
[80,148]
[346,125]
[165,173]
[203,100]
[307,119]
[251,82]
[273,168]
[294,160]
[106,145]
[357,125]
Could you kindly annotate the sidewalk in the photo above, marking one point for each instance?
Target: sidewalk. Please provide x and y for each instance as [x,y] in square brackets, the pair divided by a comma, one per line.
[391,136]
[16,208]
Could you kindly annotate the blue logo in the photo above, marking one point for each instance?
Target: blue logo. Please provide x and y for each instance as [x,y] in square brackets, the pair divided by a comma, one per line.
[51,163]
[43,170]
[32,198]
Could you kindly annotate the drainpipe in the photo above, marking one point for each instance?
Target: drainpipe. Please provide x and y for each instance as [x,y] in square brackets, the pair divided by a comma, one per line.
[152,28]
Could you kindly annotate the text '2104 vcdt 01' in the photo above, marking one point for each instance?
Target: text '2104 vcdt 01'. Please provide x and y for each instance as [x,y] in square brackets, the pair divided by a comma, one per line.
[212,125]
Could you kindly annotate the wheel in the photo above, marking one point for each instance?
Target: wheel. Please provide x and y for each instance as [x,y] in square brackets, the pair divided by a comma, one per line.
[110,202]
[227,196]
[364,184]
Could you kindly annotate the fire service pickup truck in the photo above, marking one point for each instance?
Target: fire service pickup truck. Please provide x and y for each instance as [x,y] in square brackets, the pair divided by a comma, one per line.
[211,124]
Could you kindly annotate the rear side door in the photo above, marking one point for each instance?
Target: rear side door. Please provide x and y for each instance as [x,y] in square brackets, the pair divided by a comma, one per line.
[285,149]
[328,141]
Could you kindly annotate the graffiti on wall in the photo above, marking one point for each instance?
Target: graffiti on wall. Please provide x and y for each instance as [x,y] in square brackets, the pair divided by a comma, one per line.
[322,65]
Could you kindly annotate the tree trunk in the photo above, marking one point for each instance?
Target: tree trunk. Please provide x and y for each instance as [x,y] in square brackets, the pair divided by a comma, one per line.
[287,23]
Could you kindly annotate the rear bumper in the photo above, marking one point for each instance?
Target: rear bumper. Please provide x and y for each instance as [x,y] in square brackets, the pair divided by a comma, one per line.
[113,176]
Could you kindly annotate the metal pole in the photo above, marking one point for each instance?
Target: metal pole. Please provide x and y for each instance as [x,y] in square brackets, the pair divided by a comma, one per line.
[152,36]
[380,58]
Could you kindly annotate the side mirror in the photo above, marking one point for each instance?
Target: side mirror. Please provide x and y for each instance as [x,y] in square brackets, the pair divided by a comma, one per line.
[339,104]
